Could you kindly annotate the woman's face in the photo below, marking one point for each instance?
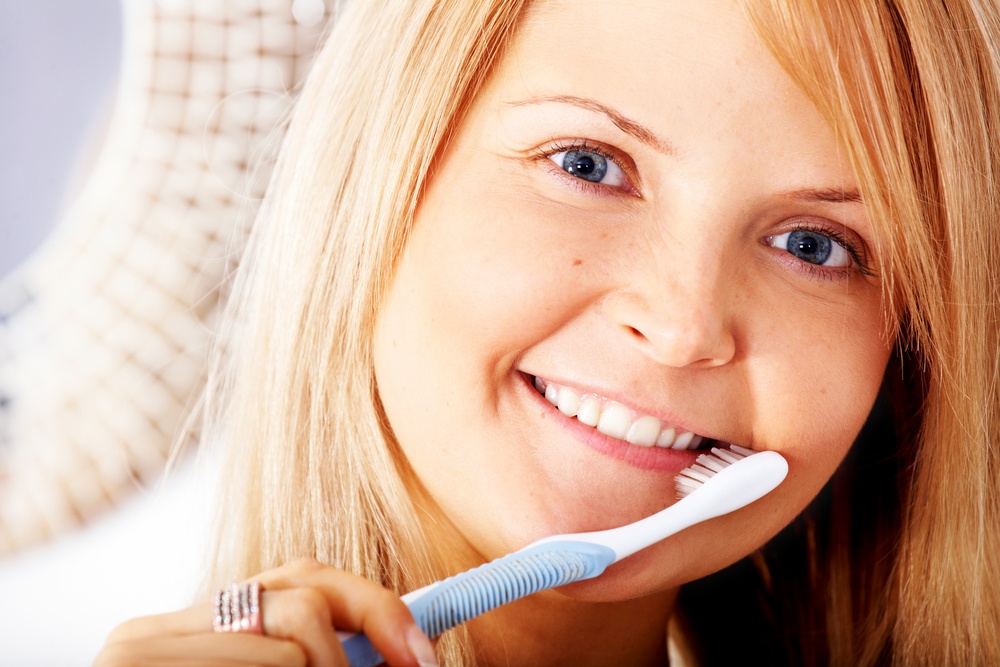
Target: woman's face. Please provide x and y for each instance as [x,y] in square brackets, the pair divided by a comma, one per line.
[644,219]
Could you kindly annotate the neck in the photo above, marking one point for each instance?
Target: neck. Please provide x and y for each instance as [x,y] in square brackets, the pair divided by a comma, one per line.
[549,628]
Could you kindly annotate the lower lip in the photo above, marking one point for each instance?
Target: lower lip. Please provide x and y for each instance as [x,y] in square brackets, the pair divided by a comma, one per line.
[658,459]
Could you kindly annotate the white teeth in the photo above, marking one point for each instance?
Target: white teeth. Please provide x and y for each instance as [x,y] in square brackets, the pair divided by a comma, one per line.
[616,420]
[569,402]
[666,438]
[590,411]
[683,440]
[644,431]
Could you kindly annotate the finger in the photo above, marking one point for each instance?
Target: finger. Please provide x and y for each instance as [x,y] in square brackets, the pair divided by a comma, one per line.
[299,616]
[197,618]
[204,648]
[356,604]
[302,615]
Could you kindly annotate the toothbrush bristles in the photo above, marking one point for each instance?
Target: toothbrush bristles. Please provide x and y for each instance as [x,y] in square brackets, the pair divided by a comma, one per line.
[706,466]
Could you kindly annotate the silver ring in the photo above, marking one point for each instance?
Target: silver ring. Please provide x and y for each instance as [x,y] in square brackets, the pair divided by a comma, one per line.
[237,609]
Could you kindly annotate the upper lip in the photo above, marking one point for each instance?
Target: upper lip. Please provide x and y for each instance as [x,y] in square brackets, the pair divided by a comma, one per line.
[668,419]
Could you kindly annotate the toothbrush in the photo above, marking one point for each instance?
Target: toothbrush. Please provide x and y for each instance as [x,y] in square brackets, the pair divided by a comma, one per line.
[717,483]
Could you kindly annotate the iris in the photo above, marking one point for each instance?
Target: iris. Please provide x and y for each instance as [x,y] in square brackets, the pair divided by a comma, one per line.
[809,246]
[586,164]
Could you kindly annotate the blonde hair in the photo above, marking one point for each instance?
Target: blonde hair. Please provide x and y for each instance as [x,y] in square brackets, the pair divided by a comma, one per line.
[312,465]
[911,90]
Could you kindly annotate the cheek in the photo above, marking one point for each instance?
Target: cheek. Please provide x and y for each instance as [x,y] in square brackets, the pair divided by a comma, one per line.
[495,277]
[815,378]
[478,283]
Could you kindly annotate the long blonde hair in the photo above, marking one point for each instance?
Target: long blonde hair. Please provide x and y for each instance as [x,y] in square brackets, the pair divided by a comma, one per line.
[311,465]
[912,577]
[911,90]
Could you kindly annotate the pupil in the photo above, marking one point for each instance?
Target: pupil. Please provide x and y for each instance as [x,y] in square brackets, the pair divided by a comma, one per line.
[810,246]
[586,164]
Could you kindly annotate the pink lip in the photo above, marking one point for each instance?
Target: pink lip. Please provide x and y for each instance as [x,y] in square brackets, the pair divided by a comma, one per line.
[656,459]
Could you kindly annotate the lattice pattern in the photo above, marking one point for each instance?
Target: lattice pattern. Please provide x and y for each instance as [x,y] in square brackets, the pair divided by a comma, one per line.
[103,332]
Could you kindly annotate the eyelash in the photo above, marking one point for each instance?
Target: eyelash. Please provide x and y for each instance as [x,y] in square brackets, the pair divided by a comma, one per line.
[854,250]
[624,163]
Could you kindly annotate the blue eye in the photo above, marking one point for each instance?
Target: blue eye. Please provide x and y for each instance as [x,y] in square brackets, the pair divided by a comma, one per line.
[812,247]
[590,166]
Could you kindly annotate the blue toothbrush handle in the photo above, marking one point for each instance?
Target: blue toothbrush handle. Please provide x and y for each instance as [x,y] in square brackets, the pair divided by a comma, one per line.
[455,600]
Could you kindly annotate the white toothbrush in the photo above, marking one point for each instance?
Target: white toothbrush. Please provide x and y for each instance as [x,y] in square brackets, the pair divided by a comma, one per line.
[717,483]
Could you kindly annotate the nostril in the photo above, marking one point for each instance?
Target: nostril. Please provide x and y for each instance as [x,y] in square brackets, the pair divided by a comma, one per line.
[691,330]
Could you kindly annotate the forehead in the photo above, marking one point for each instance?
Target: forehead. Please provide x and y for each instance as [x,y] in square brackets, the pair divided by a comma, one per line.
[685,70]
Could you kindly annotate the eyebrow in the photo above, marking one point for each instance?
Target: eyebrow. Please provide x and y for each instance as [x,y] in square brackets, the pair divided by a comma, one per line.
[648,137]
[825,195]
[622,122]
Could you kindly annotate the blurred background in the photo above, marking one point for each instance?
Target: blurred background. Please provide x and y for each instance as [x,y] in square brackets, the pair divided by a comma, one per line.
[59,62]
[135,140]
[58,65]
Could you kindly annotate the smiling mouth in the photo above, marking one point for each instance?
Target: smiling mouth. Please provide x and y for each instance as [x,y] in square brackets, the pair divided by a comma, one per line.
[616,420]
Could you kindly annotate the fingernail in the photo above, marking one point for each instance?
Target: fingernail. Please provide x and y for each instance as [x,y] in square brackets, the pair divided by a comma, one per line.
[421,647]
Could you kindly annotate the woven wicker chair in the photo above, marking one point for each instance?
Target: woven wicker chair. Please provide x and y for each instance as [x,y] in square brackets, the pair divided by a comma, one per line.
[104,331]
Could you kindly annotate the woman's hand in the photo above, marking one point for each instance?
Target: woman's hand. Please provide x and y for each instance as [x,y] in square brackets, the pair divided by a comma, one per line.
[302,605]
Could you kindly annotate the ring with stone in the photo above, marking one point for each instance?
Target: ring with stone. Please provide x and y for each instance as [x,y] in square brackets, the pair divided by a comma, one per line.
[237,609]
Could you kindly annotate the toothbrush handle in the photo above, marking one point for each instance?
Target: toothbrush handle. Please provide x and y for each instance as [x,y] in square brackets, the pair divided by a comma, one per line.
[455,600]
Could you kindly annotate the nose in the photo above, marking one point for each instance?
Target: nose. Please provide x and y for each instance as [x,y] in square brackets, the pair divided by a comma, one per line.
[679,318]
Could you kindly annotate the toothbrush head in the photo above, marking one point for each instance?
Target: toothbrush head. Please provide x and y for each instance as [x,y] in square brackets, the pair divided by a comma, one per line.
[707,466]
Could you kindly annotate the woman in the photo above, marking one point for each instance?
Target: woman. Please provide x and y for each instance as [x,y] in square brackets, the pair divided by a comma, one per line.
[702,215]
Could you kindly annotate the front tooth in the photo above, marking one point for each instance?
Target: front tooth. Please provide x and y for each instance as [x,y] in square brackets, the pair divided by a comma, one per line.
[590,412]
[644,431]
[569,402]
[683,440]
[539,385]
[552,394]
[615,421]
[666,438]
[696,442]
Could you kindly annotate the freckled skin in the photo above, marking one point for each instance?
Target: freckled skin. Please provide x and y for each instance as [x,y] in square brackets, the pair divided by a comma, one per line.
[670,295]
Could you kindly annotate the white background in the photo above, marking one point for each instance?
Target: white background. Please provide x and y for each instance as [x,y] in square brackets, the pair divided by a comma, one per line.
[58,64]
